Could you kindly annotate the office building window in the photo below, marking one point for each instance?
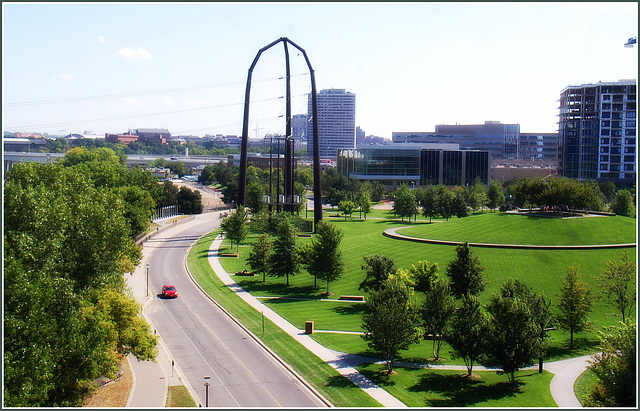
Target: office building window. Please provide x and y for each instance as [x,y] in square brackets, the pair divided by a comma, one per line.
[604,167]
[604,158]
[630,123]
[605,114]
[629,150]
[605,132]
[617,116]
[604,141]
[629,159]
[606,123]
[606,106]
[631,114]
[604,149]
[630,132]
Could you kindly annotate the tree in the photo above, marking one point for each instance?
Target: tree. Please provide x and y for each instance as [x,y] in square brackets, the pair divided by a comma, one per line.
[623,204]
[618,284]
[495,194]
[391,323]
[189,201]
[467,331]
[235,225]
[445,202]
[138,208]
[465,272]
[378,268]
[66,318]
[429,201]
[347,207]
[615,368]
[424,275]
[405,204]
[477,195]
[259,256]
[284,260]
[255,191]
[364,202]
[169,194]
[575,304]
[459,205]
[323,259]
[515,329]
[437,309]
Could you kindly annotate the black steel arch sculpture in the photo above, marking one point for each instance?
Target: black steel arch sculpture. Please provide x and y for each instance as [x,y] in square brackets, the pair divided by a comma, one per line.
[288,179]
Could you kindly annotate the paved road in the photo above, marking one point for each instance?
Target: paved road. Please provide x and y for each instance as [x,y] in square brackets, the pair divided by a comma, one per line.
[206,342]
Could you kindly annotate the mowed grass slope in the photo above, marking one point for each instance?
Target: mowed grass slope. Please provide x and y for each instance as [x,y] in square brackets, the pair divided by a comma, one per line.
[543,270]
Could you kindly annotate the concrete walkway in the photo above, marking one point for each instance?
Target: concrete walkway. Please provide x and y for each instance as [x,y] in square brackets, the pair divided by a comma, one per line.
[566,371]
[152,379]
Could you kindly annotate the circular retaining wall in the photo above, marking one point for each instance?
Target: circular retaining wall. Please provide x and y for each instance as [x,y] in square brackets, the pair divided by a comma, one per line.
[391,232]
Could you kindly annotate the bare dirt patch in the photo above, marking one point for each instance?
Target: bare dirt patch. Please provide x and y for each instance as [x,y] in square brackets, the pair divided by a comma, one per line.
[115,393]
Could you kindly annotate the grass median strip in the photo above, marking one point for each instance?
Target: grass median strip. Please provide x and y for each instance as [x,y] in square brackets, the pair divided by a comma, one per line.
[334,387]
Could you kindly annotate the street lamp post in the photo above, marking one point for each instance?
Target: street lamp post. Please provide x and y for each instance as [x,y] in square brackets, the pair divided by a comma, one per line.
[206,393]
[147,279]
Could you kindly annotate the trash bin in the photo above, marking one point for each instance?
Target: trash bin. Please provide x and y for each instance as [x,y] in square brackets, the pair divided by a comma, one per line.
[308,327]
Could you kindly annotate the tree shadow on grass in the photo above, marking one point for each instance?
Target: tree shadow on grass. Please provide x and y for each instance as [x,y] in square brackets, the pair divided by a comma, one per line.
[351,309]
[560,350]
[255,286]
[458,391]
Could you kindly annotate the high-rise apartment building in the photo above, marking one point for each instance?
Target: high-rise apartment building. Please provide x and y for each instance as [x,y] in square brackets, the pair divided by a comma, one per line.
[597,131]
[336,122]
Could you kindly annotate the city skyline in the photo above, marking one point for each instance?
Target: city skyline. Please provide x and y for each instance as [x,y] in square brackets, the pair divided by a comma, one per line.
[113,67]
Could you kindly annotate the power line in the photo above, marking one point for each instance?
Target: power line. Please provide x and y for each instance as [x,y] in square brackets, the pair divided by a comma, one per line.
[135,93]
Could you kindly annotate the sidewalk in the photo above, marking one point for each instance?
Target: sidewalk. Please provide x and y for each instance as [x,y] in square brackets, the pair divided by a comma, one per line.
[151,380]
[566,371]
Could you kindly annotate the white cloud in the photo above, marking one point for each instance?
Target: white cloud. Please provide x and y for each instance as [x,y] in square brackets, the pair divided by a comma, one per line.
[131,101]
[139,54]
[100,39]
[64,76]
[170,102]
[196,102]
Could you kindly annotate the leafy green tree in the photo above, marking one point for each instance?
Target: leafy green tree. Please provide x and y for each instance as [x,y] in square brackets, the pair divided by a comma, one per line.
[347,207]
[460,207]
[608,189]
[378,268]
[465,272]
[74,246]
[424,275]
[323,259]
[392,321]
[624,204]
[364,203]
[377,190]
[615,368]
[575,304]
[255,191]
[477,196]
[526,191]
[235,225]
[618,284]
[437,309]
[285,259]
[466,332]
[513,340]
[446,202]
[260,255]
[430,198]
[405,204]
[138,208]
[169,194]
[189,201]
[495,194]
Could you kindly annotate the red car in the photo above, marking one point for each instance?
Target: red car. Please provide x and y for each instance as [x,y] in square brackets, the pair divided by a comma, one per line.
[169,291]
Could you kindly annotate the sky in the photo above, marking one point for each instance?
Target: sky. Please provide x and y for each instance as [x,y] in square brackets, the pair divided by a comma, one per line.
[111,67]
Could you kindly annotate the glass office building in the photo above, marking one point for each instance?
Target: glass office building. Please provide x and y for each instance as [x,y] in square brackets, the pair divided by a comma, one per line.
[420,164]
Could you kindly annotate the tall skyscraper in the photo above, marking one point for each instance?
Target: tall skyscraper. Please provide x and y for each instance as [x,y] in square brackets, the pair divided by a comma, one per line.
[336,122]
[597,131]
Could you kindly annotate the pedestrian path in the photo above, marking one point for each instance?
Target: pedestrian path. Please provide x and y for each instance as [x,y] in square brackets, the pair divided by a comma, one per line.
[566,371]
[339,361]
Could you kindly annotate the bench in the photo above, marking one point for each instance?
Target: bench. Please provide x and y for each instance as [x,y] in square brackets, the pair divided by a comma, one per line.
[245,272]
[352,297]
[305,235]
[229,255]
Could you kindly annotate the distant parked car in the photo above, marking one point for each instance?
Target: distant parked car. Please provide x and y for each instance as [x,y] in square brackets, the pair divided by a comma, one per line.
[169,291]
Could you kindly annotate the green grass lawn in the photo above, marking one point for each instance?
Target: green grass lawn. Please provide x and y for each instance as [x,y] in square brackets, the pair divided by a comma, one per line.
[427,388]
[334,387]
[541,269]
